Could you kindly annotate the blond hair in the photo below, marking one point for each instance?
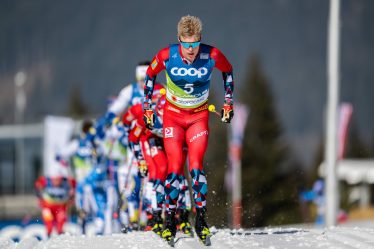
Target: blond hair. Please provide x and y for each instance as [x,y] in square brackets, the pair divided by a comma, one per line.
[190,26]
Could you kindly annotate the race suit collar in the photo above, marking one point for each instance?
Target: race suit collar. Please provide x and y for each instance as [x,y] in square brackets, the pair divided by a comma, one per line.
[184,59]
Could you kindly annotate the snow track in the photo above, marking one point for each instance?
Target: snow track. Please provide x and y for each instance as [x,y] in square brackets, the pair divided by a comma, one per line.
[274,238]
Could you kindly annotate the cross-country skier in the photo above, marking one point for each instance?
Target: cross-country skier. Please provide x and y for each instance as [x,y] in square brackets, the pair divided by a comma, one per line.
[55,193]
[188,66]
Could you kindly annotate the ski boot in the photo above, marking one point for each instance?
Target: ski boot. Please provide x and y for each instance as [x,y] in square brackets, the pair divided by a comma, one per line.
[124,229]
[158,223]
[170,229]
[183,224]
[201,227]
[150,222]
[133,226]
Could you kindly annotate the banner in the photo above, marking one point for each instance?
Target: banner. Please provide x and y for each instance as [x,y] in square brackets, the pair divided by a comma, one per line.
[57,134]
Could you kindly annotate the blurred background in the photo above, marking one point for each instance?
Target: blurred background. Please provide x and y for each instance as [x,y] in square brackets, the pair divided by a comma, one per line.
[64,58]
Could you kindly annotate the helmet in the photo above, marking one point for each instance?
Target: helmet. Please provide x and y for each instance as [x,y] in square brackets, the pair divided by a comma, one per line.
[86,125]
[141,70]
[58,171]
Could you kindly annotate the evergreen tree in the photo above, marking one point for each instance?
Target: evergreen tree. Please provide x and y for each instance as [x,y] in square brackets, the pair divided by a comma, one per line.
[270,181]
[76,107]
[356,148]
[215,166]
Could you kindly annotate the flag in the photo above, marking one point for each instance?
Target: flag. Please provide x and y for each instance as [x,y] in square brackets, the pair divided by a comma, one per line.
[233,174]
[345,114]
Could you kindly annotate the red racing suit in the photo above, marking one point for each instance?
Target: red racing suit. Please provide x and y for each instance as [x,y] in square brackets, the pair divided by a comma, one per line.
[186,112]
[149,142]
[55,194]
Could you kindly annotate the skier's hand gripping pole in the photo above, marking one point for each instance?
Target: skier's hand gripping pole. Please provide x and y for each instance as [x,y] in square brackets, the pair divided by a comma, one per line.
[149,118]
[227,112]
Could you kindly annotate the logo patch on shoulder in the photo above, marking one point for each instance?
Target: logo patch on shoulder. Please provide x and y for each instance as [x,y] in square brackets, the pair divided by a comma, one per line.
[204,56]
[154,64]
[169,132]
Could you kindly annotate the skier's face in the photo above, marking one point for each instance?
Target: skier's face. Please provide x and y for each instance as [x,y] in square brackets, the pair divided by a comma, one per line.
[190,47]
[56,181]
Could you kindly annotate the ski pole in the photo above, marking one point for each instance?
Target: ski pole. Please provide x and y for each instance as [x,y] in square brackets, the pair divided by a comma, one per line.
[212,109]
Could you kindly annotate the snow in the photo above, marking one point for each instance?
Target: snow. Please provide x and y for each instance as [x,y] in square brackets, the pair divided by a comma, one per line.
[348,236]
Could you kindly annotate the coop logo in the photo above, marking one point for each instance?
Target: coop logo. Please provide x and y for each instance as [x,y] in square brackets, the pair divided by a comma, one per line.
[202,71]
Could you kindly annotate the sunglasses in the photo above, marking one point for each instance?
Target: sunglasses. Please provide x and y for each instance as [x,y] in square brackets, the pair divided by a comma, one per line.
[189,44]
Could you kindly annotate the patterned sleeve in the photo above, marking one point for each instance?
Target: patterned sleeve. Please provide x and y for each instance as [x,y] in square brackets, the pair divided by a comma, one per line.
[222,64]
[157,65]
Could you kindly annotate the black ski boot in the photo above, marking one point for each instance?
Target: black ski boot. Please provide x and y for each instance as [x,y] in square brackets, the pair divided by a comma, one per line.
[158,223]
[150,221]
[183,223]
[170,228]
[201,227]
[134,226]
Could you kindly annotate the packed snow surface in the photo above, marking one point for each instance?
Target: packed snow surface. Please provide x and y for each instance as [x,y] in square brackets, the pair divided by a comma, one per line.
[269,238]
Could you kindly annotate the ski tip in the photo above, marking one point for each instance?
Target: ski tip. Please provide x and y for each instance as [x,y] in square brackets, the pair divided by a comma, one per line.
[171,242]
[207,241]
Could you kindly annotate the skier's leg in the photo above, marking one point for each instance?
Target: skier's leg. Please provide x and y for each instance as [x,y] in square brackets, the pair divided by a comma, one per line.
[197,141]
[47,217]
[100,199]
[61,217]
[173,141]
[184,207]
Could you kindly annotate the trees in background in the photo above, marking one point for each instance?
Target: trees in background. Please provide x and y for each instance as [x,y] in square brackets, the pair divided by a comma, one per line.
[76,107]
[270,179]
[270,176]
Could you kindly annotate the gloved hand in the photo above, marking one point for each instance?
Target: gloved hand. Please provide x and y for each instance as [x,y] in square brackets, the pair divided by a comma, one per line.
[227,113]
[143,168]
[82,214]
[149,118]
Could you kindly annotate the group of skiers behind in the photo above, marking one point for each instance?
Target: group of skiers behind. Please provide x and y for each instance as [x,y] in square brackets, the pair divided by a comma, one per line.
[135,155]
[119,170]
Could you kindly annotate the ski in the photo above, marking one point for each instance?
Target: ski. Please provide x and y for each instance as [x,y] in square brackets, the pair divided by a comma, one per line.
[170,241]
[206,241]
